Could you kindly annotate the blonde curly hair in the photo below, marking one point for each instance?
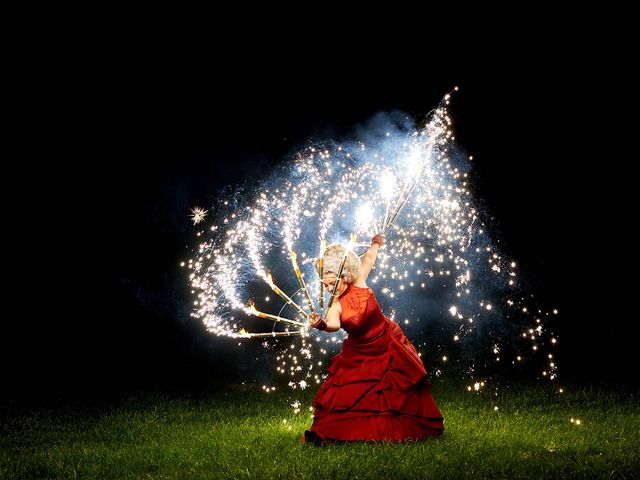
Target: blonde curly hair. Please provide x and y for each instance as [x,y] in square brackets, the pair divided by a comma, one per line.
[333,258]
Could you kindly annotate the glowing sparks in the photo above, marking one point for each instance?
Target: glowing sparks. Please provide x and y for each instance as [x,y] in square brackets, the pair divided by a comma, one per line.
[411,185]
[388,186]
[198,215]
[365,220]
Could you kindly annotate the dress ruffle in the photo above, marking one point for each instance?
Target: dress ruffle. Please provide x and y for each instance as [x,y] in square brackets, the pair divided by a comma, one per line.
[377,388]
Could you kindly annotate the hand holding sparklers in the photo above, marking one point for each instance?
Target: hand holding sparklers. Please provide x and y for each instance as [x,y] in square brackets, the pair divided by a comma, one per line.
[378,239]
[317,321]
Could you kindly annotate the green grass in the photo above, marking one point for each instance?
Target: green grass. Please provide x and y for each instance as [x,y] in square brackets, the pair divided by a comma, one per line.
[241,432]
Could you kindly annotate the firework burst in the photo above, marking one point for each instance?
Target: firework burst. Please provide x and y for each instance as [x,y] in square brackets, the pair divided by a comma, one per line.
[198,215]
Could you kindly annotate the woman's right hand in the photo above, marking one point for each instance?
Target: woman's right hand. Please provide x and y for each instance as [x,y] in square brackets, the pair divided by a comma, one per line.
[314,318]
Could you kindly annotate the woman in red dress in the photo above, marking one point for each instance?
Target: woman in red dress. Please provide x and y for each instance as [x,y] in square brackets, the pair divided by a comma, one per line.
[377,386]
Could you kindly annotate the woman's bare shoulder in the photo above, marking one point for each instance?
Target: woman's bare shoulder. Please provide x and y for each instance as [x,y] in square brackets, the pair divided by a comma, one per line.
[337,306]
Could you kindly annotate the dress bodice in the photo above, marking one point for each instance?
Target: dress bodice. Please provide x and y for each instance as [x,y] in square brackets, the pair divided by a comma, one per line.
[361,317]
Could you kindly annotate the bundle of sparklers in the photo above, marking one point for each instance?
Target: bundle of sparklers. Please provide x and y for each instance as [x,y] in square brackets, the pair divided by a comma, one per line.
[390,216]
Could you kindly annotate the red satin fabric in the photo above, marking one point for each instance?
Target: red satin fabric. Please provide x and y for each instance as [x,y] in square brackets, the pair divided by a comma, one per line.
[377,386]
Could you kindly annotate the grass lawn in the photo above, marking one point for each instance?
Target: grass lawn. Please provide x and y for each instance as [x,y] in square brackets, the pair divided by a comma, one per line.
[241,432]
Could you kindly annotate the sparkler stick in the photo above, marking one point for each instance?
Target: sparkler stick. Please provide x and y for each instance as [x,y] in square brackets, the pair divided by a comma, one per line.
[405,199]
[303,286]
[344,258]
[387,190]
[386,213]
[374,225]
[284,296]
[244,334]
[397,211]
[275,318]
[323,247]
[335,285]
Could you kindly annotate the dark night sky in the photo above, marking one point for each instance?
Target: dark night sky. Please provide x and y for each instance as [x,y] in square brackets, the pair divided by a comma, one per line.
[158,137]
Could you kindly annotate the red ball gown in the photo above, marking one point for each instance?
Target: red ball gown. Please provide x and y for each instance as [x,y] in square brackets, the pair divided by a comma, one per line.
[377,386]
